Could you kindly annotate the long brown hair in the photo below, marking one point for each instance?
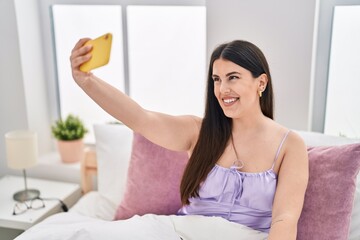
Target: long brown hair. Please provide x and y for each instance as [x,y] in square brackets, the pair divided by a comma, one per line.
[216,128]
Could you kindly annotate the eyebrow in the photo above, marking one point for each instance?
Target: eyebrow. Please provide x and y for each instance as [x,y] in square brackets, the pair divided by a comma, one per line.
[228,74]
[231,73]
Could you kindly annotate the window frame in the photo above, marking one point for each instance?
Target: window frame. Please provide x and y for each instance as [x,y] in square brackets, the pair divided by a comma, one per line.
[49,45]
[321,59]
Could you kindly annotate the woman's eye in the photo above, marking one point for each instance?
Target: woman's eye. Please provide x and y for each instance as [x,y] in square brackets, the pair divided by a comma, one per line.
[233,77]
[216,79]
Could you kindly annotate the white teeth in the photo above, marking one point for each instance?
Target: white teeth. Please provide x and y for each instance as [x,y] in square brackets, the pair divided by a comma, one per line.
[229,100]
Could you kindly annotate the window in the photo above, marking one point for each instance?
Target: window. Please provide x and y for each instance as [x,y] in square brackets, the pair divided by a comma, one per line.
[160,54]
[167,58]
[72,22]
[333,109]
[342,115]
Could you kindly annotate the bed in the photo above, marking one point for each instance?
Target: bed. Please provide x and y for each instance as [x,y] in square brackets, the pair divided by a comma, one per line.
[119,181]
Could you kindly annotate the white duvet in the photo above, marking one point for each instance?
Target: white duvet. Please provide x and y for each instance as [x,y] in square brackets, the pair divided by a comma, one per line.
[73,226]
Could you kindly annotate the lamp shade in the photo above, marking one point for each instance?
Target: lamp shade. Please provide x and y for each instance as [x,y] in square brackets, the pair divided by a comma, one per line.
[21,149]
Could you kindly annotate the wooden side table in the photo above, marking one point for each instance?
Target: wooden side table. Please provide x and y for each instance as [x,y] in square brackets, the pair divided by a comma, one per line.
[88,170]
[69,193]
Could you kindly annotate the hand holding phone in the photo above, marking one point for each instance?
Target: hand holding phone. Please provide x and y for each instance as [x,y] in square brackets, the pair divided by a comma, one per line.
[101,48]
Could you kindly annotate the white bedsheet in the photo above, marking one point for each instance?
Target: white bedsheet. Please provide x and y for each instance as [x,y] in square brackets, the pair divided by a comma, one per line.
[93,204]
[73,226]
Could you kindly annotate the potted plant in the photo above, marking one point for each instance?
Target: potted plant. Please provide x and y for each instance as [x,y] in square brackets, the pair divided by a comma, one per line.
[70,133]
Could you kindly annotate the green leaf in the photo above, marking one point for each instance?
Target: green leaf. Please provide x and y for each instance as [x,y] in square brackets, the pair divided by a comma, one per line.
[72,128]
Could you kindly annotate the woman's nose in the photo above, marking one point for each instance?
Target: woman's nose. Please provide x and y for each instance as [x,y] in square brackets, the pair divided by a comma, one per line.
[224,88]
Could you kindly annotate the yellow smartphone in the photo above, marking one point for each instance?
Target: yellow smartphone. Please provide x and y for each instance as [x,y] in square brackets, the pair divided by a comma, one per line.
[101,48]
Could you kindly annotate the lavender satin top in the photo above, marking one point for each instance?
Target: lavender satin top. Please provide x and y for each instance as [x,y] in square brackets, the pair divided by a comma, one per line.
[240,197]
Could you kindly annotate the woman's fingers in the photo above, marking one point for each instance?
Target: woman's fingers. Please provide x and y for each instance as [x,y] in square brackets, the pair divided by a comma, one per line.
[80,53]
[77,61]
[79,49]
[80,43]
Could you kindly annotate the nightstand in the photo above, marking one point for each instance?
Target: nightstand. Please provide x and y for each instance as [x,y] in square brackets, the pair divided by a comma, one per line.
[69,193]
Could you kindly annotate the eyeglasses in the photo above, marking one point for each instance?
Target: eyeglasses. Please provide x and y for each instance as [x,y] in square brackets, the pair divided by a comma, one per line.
[36,203]
[21,207]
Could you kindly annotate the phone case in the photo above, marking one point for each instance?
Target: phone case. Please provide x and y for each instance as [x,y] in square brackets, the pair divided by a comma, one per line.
[100,52]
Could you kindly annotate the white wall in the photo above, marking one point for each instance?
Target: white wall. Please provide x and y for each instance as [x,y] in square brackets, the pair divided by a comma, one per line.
[282,29]
[12,98]
[23,90]
[33,69]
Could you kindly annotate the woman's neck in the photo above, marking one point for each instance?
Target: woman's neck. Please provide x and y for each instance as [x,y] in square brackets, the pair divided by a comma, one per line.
[250,124]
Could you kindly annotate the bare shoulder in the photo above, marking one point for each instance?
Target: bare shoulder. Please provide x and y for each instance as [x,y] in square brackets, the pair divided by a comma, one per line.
[294,148]
[295,153]
[198,120]
[192,120]
[293,139]
[295,142]
[196,123]
[294,161]
[178,133]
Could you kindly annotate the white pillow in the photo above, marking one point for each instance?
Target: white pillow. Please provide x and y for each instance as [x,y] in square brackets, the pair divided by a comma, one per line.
[95,205]
[319,139]
[113,150]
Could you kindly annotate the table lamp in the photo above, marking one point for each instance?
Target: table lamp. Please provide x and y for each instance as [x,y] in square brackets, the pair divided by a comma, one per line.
[22,153]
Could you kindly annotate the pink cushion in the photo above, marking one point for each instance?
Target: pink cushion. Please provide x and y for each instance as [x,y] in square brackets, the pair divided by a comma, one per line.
[330,194]
[153,181]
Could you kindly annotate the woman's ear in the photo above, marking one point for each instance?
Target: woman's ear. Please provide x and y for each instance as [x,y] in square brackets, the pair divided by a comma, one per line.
[263,80]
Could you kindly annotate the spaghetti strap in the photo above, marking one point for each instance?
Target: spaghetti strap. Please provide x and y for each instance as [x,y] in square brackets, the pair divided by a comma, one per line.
[279,148]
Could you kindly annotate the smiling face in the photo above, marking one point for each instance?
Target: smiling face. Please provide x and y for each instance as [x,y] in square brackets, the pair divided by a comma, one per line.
[236,89]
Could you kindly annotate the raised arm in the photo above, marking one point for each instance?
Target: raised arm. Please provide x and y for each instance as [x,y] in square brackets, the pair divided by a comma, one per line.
[172,132]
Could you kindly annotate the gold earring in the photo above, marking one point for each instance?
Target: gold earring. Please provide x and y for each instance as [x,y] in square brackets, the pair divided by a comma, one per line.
[260,93]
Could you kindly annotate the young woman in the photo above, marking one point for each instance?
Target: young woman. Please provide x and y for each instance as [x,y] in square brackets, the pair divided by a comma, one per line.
[243,167]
